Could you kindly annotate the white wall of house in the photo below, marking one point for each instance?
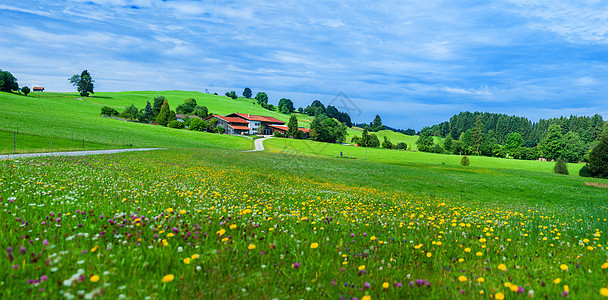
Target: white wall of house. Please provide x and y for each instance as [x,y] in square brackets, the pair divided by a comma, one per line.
[253,127]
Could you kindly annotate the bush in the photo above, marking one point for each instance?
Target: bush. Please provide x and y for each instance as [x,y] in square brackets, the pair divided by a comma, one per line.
[560,167]
[598,158]
[25,90]
[108,111]
[221,130]
[176,124]
[465,161]
[401,146]
[584,172]
[197,124]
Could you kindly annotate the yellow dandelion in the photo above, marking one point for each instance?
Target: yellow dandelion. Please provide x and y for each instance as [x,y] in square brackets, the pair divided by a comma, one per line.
[429,254]
[170,234]
[183,211]
[502,267]
[507,284]
[361,267]
[194,256]
[480,279]
[482,240]
[233,226]
[385,285]
[221,231]
[169,210]
[462,278]
[604,292]
[94,248]
[373,238]
[467,250]
[314,245]
[499,296]
[187,260]
[168,278]
[605,266]
[514,288]
[251,246]
[557,280]
[94,278]
[479,254]
[367,297]
[566,288]
[564,267]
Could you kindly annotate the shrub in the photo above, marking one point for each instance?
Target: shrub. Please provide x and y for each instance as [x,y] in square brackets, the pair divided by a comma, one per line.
[221,130]
[465,161]
[108,111]
[25,90]
[560,167]
[584,172]
[401,146]
[176,124]
[198,124]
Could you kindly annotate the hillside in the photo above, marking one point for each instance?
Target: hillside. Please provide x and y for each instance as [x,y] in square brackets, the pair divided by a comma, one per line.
[63,116]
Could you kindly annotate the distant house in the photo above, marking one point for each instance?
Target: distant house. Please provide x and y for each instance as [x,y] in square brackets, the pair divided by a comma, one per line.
[282,129]
[181,117]
[38,89]
[237,123]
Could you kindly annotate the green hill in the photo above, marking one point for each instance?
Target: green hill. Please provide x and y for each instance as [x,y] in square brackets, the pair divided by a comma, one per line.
[67,115]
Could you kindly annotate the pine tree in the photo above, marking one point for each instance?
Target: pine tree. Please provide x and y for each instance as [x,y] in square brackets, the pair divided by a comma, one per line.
[148,111]
[164,115]
[560,167]
[292,125]
[477,135]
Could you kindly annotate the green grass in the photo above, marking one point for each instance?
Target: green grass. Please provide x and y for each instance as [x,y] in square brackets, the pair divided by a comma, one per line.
[61,115]
[227,224]
[24,143]
[394,137]
[407,157]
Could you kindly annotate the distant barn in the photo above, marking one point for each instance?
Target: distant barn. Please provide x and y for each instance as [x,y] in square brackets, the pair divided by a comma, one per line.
[38,89]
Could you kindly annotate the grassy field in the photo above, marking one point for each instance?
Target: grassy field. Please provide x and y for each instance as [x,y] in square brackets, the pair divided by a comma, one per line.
[224,224]
[307,147]
[394,137]
[25,143]
[60,115]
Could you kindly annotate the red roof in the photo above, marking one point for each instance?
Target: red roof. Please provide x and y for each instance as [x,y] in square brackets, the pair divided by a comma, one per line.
[285,128]
[228,119]
[258,118]
[36,88]
[239,127]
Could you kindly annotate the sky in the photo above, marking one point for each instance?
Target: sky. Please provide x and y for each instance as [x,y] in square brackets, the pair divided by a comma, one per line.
[415,63]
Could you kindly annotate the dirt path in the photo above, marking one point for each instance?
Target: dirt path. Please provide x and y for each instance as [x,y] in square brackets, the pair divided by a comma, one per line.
[75,153]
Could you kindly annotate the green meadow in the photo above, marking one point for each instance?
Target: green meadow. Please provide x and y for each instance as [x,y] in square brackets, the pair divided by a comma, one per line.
[203,219]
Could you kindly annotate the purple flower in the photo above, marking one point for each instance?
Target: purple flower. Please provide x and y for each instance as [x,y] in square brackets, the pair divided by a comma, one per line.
[520,289]
[367,285]
[44,278]
[45,242]
[565,294]
[9,250]
[22,250]
[296,265]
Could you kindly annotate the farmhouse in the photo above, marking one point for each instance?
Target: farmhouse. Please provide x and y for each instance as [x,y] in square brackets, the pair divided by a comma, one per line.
[38,89]
[282,129]
[181,117]
[237,123]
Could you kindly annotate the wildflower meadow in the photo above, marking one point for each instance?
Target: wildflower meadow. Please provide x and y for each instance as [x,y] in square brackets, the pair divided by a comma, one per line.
[184,224]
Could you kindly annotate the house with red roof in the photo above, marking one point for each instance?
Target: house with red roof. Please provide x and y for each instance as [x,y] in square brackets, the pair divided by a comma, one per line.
[38,89]
[237,123]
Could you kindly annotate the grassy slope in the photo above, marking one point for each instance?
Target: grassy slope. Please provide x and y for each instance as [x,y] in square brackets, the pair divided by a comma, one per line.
[25,143]
[61,115]
[408,157]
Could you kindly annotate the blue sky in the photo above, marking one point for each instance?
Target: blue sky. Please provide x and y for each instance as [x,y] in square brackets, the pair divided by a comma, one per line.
[415,63]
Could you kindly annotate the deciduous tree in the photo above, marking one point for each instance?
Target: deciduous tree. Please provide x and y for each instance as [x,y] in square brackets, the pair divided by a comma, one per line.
[83,82]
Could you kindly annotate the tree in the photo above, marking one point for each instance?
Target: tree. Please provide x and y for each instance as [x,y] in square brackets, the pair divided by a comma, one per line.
[598,158]
[148,112]
[447,144]
[328,130]
[201,111]
[164,115]
[198,124]
[8,82]
[425,142]
[286,106]
[262,99]
[465,161]
[553,144]
[84,82]
[158,103]
[25,90]
[401,146]
[376,125]
[292,125]
[387,144]
[176,124]
[247,93]
[130,112]
[232,94]
[477,135]
[560,167]
[108,111]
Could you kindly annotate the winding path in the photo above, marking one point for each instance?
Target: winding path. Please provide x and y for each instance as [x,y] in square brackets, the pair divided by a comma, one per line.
[259,146]
[77,153]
